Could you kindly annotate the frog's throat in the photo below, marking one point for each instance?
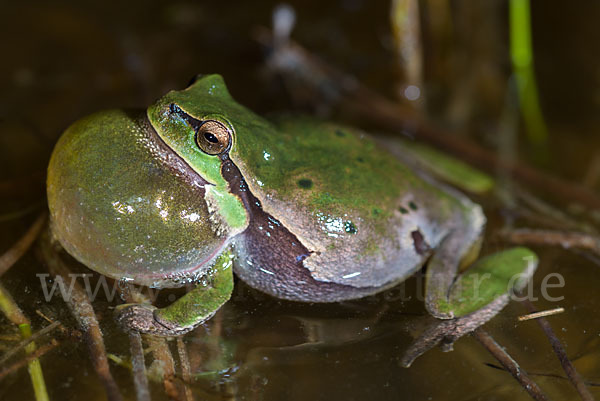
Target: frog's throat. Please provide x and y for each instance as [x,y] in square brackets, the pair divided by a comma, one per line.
[177,165]
[270,257]
[192,274]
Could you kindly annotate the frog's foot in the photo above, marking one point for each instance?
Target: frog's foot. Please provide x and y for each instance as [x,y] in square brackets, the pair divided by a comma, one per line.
[144,319]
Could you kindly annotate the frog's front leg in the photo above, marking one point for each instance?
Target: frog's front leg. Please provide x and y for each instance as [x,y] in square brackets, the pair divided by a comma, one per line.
[187,312]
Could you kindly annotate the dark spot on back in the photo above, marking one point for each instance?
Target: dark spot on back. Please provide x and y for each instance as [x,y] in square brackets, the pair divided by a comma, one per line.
[421,246]
[305,183]
[403,210]
[360,159]
[350,228]
[340,133]
[412,205]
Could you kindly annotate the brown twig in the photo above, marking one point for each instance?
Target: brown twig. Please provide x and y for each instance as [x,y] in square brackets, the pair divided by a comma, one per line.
[15,253]
[162,354]
[446,331]
[34,355]
[21,346]
[140,379]
[573,375]
[186,372]
[81,308]
[68,332]
[543,374]
[24,211]
[159,347]
[509,364]
[312,73]
[566,239]
[14,187]
[537,315]
[384,113]
[561,219]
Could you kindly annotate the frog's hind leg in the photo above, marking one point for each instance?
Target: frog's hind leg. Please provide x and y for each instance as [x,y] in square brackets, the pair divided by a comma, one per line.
[183,315]
[441,272]
[448,296]
[475,297]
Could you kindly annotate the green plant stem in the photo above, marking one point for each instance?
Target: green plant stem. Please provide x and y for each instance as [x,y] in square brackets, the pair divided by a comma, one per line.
[521,51]
[15,315]
[34,367]
[21,346]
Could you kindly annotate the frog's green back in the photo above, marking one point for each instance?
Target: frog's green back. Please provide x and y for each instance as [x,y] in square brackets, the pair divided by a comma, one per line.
[332,167]
[366,217]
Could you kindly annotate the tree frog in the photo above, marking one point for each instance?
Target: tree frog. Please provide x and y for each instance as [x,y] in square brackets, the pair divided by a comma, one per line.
[199,186]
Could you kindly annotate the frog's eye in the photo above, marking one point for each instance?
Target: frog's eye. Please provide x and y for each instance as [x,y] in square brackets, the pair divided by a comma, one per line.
[213,137]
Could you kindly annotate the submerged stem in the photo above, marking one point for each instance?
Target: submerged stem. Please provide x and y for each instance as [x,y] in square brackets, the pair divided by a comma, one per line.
[561,353]
[140,379]
[510,364]
[15,253]
[81,308]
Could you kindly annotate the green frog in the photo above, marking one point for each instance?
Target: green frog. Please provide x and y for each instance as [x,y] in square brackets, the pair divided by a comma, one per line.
[198,187]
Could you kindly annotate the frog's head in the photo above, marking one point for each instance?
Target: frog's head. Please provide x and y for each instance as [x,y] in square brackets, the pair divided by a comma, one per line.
[193,123]
[200,124]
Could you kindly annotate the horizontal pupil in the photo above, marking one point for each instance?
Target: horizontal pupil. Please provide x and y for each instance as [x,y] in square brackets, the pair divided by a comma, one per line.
[210,137]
